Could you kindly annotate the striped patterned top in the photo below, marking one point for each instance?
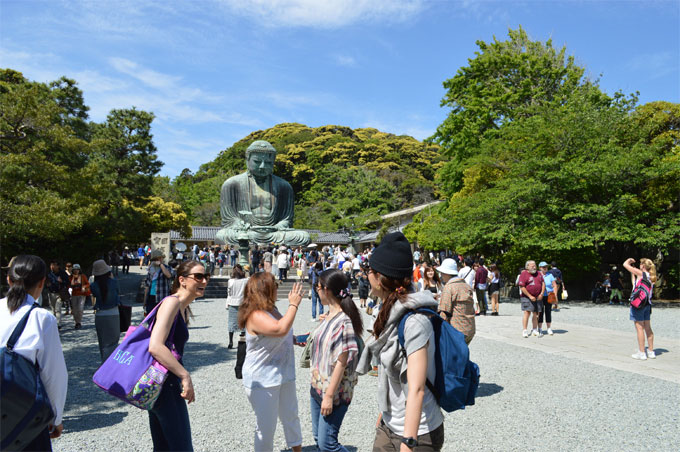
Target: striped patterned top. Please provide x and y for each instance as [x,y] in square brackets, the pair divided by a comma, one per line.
[334,337]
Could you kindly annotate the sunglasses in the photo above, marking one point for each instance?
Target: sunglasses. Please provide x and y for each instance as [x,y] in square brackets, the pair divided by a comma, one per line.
[199,277]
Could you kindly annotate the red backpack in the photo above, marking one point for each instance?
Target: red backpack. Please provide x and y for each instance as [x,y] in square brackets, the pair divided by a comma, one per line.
[641,294]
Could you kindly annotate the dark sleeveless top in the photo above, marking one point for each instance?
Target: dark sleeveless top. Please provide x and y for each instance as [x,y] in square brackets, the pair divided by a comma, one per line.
[181,335]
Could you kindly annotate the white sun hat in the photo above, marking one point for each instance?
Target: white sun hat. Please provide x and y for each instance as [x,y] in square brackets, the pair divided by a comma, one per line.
[448,267]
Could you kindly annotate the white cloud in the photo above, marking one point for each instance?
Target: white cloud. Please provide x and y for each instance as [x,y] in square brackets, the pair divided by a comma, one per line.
[345,60]
[324,13]
[657,64]
[147,76]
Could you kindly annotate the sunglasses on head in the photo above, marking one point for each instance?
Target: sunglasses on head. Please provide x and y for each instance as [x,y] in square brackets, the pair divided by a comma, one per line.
[198,276]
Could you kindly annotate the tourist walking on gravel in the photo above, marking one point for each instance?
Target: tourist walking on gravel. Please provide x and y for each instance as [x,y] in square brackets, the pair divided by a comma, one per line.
[269,368]
[158,281]
[80,288]
[642,316]
[532,288]
[107,299]
[316,301]
[364,285]
[456,305]
[282,265]
[235,290]
[549,298]
[494,288]
[334,358]
[481,280]
[39,342]
[410,416]
[57,287]
[169,417]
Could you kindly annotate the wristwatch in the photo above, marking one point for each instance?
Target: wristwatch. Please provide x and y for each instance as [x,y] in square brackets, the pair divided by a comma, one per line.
[410,442]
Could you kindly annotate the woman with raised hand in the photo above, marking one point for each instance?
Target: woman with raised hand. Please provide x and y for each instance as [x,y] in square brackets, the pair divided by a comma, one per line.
[269,368]
[410,415]
[169,417]
[39,342]
[642,316]
[335,351]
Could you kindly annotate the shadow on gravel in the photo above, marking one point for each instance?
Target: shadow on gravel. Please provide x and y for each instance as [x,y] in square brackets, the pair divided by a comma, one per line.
[201,355]
[93,420]
[488,389]
[660,351]
[560,331]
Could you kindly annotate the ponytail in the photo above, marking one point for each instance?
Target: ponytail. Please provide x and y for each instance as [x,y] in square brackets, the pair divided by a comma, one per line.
[398,290]
[25,273]
[338,282]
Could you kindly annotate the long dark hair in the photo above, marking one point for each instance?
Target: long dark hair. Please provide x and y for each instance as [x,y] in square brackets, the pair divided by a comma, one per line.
[184,270]
[103,283]
[398,289]
[26,272]
[237,272]
[337,282]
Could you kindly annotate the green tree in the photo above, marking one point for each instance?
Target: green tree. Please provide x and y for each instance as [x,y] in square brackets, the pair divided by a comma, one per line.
[506,80]
[41,165]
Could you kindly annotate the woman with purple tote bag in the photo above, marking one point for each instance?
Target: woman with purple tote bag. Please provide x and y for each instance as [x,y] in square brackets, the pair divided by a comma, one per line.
[169,417]
[151,358]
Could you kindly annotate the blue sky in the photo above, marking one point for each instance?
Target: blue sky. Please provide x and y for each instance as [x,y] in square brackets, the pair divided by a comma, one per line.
[215,70]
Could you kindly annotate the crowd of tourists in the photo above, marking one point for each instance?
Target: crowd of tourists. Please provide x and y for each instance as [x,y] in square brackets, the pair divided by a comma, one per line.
[391,281]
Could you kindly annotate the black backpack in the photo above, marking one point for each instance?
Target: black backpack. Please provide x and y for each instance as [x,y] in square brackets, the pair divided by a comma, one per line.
[26,409]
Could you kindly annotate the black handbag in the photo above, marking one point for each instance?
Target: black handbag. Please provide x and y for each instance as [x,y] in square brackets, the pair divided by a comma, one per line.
[26,409]
[240,357]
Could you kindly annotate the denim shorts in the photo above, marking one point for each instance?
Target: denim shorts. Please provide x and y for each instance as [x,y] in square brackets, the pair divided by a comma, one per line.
[640,315]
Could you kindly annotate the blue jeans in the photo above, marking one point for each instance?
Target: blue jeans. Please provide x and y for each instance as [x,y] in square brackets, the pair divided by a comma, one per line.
[169,419]
[326,428]
[315,300]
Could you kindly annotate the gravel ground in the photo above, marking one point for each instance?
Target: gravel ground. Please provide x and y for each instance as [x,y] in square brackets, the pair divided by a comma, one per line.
[528,400]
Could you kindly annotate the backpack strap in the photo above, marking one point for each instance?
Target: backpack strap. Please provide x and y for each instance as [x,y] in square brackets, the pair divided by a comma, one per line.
[11,342]
[400,332]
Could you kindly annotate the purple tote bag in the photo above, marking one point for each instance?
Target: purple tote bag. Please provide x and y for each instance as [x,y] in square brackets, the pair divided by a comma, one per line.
[131,373]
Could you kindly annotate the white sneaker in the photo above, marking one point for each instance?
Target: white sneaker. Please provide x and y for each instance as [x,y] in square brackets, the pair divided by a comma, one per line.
[651,354]
[639,355]
[525,333]
[536,333]
[550,332]
[313,319]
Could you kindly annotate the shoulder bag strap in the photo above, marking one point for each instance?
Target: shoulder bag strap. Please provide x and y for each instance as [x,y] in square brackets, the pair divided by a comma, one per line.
[11,342]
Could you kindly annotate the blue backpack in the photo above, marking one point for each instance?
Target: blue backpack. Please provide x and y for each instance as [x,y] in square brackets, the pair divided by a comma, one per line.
[457,379]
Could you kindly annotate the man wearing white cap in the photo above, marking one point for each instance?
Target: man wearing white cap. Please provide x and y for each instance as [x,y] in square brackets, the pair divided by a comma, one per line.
[456,304]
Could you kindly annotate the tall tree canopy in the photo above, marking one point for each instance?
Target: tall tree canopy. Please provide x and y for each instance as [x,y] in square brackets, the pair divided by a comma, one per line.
[504,82]
[71,188]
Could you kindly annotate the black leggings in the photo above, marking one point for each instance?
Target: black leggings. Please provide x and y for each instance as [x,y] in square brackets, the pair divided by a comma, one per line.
[547,308]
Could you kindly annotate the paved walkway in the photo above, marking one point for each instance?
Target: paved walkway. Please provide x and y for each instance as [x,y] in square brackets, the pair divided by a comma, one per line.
[593,345]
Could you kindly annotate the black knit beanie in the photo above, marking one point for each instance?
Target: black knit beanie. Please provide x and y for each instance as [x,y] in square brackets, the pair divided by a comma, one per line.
[393,257]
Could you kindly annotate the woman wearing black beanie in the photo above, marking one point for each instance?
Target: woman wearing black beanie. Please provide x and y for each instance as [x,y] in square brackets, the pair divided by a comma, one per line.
[410,415]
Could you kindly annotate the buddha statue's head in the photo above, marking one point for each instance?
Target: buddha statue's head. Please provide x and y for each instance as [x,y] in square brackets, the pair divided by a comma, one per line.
[260,157]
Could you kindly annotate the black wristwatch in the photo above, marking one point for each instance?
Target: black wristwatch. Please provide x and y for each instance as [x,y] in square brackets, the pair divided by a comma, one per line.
[410,442]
